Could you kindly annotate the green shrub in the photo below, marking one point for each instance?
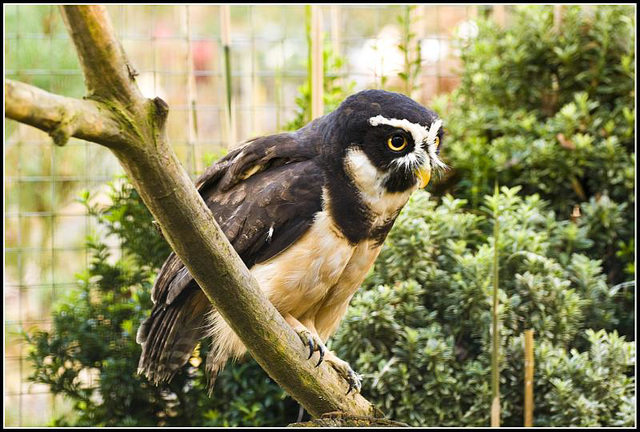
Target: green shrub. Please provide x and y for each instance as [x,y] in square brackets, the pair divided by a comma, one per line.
[419,329]
[90,355]
[552,110]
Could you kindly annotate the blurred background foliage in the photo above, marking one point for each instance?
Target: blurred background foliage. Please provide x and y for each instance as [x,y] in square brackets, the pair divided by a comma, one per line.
[545,107]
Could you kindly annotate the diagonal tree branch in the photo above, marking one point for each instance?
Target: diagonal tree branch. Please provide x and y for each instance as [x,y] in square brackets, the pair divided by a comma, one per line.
[119,117]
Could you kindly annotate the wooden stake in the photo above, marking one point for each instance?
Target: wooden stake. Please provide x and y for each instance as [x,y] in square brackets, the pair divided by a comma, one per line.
[499,15]
[225,37]
[418,26]
[528,378]
[495,349]
[558,12]
[334,11]
[192,126]
[317,66]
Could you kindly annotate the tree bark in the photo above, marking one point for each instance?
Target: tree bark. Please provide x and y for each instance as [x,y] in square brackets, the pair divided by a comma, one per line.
[339,419]
[61,116]
[116,115]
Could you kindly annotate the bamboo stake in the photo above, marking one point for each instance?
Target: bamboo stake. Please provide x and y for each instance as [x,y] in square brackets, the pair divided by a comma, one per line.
[225,36]
[334,11]
[192,126]
[407,51]
[495,367]
[418,26]
[528,378]
[499,15]
[558,12]
[472,12]
[317,66]
[255,83]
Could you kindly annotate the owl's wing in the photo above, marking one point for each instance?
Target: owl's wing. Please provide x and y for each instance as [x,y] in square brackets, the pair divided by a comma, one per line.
[264,196]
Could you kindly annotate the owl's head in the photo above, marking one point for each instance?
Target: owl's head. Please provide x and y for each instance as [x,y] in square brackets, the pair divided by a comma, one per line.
[388,139]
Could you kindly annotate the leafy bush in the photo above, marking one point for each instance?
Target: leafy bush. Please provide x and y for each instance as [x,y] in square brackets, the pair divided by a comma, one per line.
[552,110]
[419,329]
[90,354]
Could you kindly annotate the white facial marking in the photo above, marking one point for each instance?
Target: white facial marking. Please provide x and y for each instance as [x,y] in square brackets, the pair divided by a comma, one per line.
[421,135]
[411,161]
[370,181]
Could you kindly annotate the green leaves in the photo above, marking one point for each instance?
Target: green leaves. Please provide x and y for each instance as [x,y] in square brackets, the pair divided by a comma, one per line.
[419,328]
[552,112]
[90,355]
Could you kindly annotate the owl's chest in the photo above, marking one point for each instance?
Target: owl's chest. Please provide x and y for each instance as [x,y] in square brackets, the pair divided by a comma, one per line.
[322,266]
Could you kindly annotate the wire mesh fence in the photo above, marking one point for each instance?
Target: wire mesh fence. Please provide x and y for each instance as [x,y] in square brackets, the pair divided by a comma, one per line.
[178,54]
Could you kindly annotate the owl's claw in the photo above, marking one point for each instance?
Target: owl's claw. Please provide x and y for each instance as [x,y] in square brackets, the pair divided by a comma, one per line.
[350,376]
[314,343]
[321,350]
[310,343]
[354,380]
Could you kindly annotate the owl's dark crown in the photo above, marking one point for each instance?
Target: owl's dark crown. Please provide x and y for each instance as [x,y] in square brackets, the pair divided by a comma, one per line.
[356,110]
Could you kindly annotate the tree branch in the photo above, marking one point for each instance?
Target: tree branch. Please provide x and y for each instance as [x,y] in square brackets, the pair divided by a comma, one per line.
[60,116]
[107,72]
[187,223]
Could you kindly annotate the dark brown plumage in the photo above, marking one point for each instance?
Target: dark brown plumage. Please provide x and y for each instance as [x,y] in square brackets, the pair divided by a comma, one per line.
[283,195]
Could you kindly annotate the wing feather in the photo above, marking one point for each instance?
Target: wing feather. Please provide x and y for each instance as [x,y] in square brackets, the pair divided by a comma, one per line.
[263,194]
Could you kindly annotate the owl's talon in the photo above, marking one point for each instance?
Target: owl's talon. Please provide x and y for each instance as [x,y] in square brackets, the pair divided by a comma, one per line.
[321,350]
[311,347]
[344,370]
[314,343]
[354,380]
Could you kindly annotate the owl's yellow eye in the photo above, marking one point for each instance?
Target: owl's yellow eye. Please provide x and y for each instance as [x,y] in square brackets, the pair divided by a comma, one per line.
[397,143]
[437,142]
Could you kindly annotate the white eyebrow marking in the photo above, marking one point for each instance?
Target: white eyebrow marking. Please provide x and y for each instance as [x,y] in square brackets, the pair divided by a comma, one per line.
[420,134]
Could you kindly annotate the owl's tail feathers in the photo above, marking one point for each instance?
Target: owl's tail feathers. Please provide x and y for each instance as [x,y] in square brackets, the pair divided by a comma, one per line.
[169,336]
[216,361]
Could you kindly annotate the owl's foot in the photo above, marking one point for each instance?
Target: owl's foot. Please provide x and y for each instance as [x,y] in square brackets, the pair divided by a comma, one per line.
[314,343]
[308,337]
[342,367]
[311,339]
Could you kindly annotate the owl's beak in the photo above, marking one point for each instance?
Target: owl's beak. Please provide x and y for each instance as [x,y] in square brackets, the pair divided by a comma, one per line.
[424,175]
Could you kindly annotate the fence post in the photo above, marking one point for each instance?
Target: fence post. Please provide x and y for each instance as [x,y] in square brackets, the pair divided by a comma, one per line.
[495,325]
[336,36]
[317,68]
[225,36]
[500,15]
[528,378]
[558,12]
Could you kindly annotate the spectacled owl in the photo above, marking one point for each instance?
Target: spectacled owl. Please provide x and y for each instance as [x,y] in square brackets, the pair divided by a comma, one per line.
[308,212]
